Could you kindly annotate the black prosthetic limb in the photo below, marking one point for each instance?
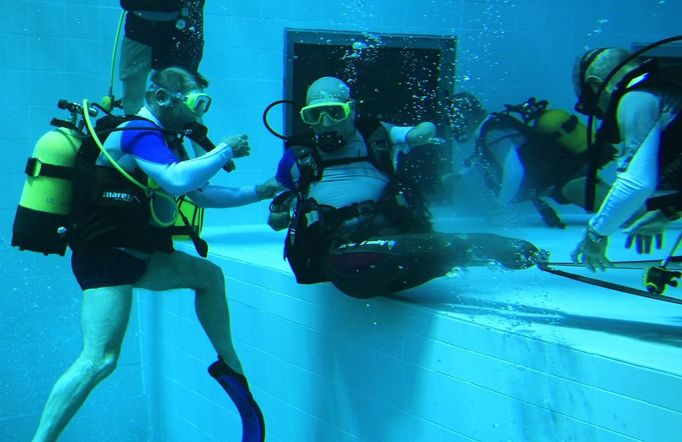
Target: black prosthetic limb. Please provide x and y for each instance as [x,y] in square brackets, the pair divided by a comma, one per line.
[236,386]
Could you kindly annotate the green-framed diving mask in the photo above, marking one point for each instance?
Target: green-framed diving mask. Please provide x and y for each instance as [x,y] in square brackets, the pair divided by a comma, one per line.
[334,110]
[197,102]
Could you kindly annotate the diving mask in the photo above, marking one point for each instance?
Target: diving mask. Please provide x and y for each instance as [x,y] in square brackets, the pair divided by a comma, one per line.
[335,111]
[197,102]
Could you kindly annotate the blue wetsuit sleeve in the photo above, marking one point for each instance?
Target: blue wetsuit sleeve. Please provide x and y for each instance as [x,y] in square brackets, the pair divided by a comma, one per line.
[148,145]
[287,172]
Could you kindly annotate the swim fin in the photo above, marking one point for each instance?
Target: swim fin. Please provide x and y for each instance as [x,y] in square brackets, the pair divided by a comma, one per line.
[236,386]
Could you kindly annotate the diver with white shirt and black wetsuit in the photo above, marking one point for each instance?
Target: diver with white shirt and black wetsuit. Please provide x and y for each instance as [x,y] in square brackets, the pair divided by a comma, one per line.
[354,221]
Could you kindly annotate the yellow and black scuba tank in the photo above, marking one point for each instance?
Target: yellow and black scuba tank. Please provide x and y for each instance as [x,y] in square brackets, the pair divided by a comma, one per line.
[45,211]
[562,126]
[45,202]
[565,127]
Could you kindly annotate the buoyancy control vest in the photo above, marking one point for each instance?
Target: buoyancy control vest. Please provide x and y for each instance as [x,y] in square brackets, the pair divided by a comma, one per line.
[108,209]
[314,227]
[658,80]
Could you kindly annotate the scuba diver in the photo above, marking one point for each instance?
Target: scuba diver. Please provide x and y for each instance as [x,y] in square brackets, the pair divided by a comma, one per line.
[639,104]
[529,153]
[121,238]
[355,221]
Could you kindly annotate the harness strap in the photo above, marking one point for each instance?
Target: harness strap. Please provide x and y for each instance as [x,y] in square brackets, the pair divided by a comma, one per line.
[35,168]
[354,210]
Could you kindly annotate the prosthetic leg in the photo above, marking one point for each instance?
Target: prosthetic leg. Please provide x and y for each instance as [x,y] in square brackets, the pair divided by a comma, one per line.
[512,253]
[236,386]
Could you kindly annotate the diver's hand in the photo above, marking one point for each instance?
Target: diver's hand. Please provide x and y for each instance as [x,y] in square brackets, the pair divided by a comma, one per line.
[279,217]
[591,251]
[239,144]
[279,220]
[421,134]
[268,189]
[647,230]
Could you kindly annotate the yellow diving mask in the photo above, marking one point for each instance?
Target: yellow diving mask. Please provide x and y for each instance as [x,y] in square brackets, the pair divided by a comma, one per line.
[197,102]
[334,110]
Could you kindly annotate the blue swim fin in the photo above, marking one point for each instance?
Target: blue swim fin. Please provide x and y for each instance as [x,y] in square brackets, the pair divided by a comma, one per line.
[236,386]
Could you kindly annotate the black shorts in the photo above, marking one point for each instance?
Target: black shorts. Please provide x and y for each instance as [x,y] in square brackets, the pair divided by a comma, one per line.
[170,46]
[106,268]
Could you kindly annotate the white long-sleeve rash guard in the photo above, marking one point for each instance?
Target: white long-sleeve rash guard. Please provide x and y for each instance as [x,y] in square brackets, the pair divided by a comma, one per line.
[641,122]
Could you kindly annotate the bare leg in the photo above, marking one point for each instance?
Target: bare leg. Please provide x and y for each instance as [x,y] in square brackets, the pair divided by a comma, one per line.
[180,270]
[104,318]
[134,67]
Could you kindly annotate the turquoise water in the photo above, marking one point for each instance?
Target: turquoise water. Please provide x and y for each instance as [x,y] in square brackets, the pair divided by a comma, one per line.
[325,367]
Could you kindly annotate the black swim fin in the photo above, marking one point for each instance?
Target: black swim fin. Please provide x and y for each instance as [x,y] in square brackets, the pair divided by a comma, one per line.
[236,386]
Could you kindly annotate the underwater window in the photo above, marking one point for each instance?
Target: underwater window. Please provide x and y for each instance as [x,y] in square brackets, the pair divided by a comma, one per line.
[400,79]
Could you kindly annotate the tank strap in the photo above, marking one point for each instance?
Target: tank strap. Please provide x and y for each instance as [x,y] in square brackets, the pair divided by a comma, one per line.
[35,168]
[354,210]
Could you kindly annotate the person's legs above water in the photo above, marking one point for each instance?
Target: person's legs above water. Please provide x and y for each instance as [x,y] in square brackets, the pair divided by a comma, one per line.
[134,67]
[104,317]
[180,270]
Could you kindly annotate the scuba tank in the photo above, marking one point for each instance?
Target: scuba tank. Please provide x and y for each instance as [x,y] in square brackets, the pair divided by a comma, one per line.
[45,202]
[565,127]
[46,219]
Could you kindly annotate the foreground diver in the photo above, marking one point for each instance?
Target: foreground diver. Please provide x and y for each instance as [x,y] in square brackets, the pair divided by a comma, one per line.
[640,107]
[118,248]
[357,223]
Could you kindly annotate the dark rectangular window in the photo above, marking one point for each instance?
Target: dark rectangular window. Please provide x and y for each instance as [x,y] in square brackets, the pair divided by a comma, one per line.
[400,79]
